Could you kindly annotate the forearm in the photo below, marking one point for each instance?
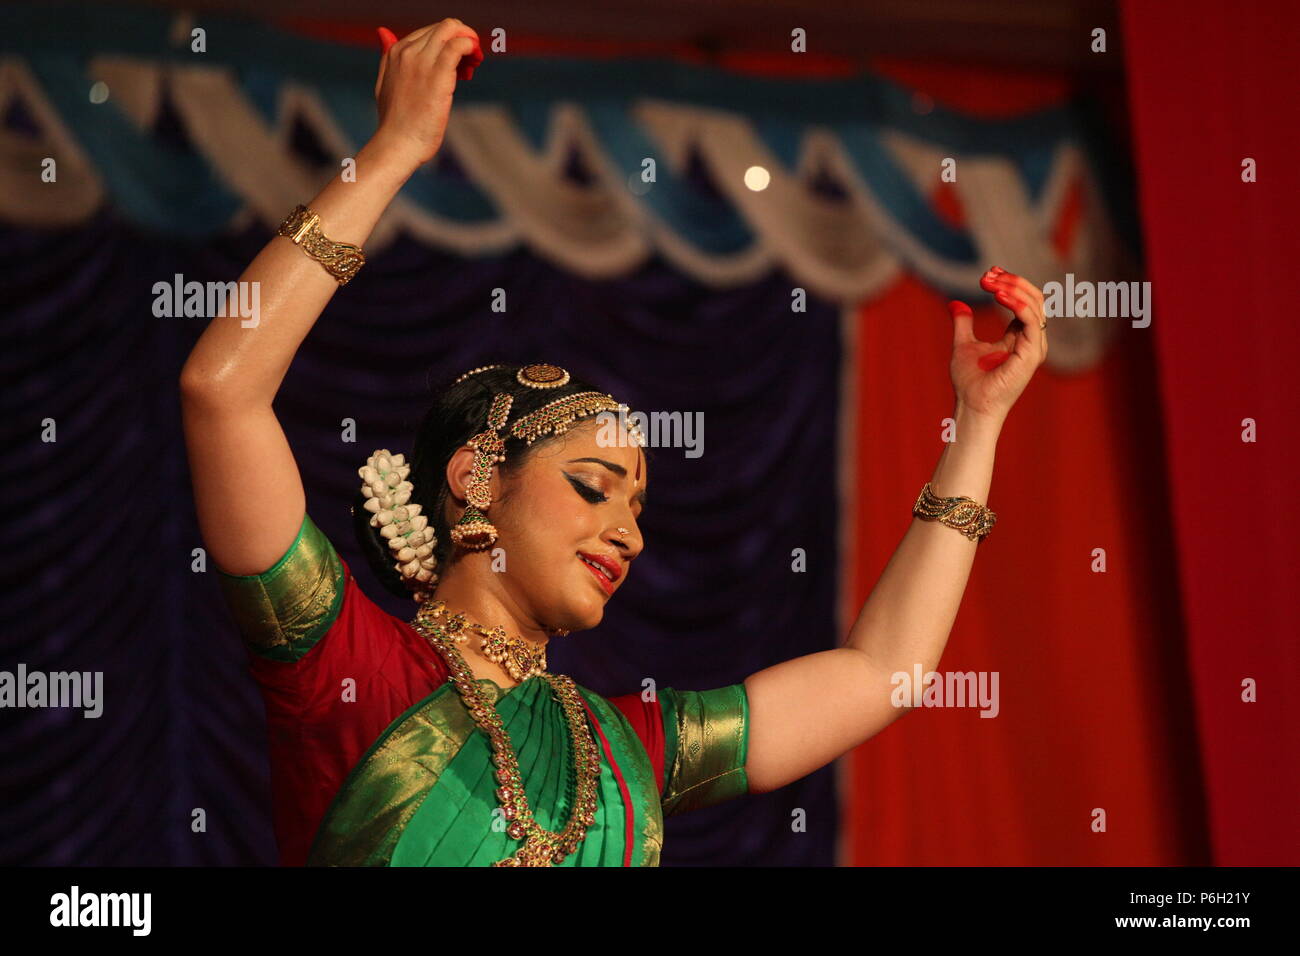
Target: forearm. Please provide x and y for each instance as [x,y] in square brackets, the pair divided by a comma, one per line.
[807,711]
[909,614]
[245,365]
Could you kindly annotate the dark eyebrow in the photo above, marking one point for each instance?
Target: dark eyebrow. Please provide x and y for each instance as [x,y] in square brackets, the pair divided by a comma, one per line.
[615,468]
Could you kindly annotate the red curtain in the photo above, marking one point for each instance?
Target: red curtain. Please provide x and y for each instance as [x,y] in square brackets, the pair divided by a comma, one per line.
[1094,691]
[1094,708]
[1211,87]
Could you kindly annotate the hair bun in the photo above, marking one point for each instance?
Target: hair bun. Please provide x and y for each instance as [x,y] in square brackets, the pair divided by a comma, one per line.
[404,536]
[375,550]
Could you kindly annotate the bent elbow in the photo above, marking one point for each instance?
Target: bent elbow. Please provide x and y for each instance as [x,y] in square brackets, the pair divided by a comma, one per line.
[192,383]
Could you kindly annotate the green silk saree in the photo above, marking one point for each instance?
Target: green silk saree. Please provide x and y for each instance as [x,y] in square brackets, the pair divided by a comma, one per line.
[376,762]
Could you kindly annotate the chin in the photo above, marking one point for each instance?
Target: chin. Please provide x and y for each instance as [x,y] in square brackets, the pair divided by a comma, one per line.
[589,619]
[585,616]
[585,607]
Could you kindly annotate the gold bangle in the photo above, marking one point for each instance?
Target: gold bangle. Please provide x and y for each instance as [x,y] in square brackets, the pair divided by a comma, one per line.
[965,514]
[342,260]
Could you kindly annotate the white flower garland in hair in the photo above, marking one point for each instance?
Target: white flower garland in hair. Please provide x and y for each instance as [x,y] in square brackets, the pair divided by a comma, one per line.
[408,533]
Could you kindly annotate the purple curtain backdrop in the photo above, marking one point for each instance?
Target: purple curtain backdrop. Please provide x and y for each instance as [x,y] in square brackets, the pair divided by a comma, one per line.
[100,530]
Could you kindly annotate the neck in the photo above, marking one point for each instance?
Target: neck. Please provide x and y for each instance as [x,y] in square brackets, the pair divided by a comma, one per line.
[483,603]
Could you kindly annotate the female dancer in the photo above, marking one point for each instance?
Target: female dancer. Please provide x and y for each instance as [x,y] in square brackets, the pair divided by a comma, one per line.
[445,741]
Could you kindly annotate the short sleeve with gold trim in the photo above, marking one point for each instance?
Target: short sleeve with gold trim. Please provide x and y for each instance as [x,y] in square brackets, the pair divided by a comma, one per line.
[706,740]
[285,610]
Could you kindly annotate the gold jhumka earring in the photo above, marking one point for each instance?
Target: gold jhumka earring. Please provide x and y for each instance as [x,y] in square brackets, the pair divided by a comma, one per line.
[474,531]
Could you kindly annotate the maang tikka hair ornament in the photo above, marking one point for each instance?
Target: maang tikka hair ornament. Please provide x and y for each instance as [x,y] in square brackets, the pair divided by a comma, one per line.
[410,536]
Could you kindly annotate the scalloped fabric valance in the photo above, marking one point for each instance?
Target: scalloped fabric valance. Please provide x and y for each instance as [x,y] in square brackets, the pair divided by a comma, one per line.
[552,153]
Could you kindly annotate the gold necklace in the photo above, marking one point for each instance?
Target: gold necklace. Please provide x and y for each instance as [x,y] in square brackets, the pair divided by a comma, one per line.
[541,847]
[522,659]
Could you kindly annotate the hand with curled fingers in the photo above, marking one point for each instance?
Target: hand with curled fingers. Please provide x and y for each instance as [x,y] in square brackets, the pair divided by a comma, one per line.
[417,77]
[988,377]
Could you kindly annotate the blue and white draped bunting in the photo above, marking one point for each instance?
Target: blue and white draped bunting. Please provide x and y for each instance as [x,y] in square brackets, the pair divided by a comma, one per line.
[548,153]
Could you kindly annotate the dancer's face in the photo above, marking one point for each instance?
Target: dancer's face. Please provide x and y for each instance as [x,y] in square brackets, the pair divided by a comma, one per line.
[570,498]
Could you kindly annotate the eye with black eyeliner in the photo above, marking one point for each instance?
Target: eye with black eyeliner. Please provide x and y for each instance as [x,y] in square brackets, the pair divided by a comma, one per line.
[588,492]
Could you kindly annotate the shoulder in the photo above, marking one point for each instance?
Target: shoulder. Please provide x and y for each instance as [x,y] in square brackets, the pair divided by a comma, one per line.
[308,612]
[285,610]
[706,740]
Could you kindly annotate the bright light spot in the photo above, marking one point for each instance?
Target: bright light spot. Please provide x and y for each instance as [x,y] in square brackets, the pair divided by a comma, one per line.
[99,92]
[757,178]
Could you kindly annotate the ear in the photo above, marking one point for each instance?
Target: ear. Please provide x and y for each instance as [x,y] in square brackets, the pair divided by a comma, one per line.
[460,468]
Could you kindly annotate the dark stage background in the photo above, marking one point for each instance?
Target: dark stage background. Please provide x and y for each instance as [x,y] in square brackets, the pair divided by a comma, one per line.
[183,724]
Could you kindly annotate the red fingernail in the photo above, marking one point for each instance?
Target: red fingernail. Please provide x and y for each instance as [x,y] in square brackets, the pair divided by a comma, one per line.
[956,308]
[465,69]
[1002,297]
[386,38]
[993,360]
[998,270]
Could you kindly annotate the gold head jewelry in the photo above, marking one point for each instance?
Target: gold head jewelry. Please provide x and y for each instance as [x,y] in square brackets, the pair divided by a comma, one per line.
[542,375]
[474,530]
[410,535]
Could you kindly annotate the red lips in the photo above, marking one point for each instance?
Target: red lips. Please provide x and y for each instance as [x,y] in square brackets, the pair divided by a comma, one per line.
[609,564]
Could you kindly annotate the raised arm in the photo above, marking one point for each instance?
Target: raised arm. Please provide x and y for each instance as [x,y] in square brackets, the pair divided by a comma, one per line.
[234,371]
[805,712]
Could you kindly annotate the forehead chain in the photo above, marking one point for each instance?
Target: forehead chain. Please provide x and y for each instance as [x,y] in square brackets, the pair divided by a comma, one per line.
[554,417]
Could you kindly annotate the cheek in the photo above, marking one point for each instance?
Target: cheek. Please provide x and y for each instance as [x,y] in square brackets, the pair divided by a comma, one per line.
[554,524]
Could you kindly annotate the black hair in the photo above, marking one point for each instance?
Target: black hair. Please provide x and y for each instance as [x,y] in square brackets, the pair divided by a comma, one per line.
[458,413]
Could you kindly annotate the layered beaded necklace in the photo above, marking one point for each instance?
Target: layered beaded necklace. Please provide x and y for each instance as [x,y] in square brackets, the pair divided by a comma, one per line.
[541,847]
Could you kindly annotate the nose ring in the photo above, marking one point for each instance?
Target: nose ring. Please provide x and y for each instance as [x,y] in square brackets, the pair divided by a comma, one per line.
[624,531]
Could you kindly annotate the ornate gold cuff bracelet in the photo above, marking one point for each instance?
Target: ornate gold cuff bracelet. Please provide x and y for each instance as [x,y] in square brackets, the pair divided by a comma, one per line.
[340,259]
[965,514]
